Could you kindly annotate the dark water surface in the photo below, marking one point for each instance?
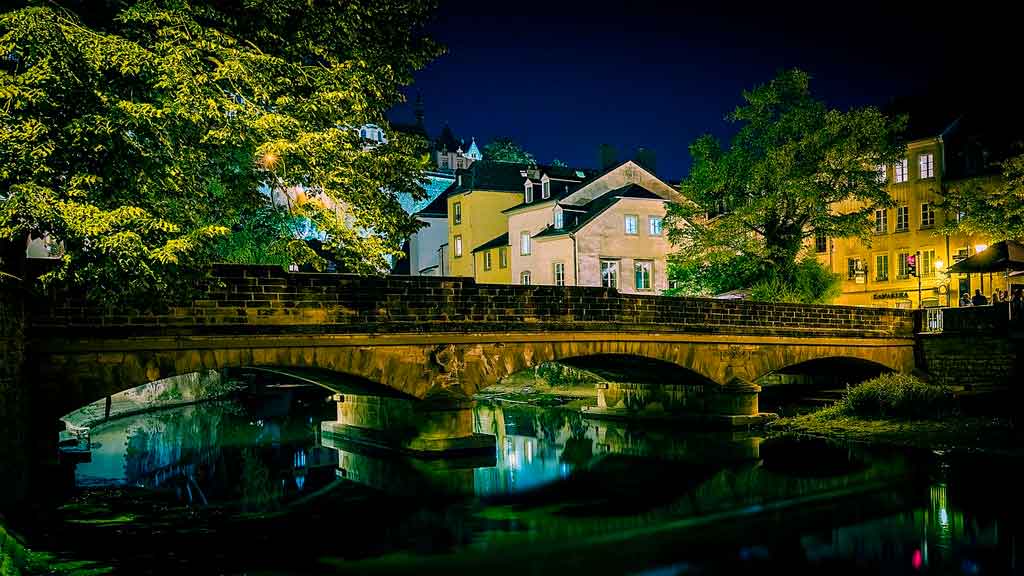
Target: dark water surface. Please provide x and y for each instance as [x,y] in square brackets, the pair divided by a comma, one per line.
[245,486]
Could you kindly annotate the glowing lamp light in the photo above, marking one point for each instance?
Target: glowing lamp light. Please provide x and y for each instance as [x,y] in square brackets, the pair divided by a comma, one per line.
[269,160]
[980,247]
[939,264]
[917,559]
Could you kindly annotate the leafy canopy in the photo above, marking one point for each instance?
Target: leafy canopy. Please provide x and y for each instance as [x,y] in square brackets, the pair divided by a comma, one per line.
[138,133]
[993,207]
[793,168]
[507,150]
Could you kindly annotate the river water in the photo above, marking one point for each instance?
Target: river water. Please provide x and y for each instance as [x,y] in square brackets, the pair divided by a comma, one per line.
[246,485]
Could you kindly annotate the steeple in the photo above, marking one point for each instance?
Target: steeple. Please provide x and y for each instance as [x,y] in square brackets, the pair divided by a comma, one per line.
[474,152]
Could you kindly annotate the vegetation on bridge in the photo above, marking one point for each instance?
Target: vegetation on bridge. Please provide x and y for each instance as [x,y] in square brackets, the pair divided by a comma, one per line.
[794,169]
[145,138]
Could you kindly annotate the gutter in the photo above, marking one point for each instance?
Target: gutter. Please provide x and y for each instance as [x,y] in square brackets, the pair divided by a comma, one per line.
[575,262]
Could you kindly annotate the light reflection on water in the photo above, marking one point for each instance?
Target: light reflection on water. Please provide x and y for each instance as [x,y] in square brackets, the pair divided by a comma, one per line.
[617,479]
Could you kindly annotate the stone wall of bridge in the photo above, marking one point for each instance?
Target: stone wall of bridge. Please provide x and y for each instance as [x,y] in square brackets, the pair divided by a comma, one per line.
[264,300]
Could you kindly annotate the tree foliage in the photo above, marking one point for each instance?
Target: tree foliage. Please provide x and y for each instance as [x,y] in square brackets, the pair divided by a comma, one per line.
[507,150]
[139,133]
[793,168]
[993,207]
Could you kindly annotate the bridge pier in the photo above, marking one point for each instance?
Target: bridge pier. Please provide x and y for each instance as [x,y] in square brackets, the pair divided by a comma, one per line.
[734,404]
[436,426]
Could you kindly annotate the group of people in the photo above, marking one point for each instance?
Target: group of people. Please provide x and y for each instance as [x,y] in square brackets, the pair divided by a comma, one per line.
[998,297]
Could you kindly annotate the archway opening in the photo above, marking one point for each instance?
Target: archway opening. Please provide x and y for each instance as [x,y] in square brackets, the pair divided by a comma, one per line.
[814,384]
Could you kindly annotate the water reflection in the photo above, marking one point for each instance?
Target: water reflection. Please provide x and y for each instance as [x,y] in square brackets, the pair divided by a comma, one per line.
[667,498]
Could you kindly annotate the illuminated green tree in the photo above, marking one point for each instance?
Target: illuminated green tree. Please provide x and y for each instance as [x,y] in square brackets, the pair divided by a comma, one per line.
[507,150]
[139,133]
[992,206]
[794,168]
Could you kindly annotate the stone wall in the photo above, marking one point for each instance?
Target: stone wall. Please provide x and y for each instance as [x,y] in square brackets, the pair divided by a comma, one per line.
[267,300]
[979,348]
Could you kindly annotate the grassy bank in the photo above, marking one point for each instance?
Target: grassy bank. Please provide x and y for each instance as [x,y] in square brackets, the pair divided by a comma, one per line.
[902,410]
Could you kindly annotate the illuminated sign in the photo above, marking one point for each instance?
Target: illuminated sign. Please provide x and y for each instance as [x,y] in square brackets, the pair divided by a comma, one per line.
[889,295]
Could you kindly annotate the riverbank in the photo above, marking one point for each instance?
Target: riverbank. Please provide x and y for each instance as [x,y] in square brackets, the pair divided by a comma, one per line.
[996,435]
[526,388]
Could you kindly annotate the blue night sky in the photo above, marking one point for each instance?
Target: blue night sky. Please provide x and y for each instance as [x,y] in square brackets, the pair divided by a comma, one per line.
[562,79]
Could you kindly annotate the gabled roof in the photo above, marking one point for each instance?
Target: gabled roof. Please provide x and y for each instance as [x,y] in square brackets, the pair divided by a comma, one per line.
[438,206]
[559,189]
[573,220]
[495,243]
[488,175]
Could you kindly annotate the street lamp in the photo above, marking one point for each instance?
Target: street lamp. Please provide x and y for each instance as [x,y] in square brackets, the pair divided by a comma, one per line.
[980,248]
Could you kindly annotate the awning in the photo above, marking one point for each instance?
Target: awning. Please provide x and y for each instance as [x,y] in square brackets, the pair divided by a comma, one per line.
[1005,256]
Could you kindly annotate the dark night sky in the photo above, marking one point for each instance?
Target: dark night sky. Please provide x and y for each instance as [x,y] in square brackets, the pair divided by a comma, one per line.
[561,78]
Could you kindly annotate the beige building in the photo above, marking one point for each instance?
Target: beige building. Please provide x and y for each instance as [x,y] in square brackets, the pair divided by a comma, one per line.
[607,231]
[878,274]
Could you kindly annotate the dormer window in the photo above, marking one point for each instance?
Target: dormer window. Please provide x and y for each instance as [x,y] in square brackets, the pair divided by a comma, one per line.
[559,219]
[545,190]
[529,192]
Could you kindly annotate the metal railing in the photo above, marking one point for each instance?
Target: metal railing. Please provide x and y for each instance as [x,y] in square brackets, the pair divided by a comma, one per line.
[933,320]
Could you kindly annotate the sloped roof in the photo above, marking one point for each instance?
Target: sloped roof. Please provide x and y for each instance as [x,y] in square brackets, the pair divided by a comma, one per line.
[558,190]
[573,220]
[488,175]
[439,205]
[495,243]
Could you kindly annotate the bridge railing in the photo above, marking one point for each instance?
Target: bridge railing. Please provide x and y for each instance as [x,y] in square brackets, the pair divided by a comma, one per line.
[996,319]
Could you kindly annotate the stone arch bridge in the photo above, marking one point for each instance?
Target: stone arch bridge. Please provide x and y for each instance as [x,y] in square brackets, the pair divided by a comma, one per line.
[427,337]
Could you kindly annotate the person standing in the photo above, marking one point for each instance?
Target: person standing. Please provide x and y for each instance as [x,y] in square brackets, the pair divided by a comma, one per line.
[965,300]
[979,298]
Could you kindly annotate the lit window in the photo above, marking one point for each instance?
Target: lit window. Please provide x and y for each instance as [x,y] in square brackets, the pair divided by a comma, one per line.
[559,274]
[631,223]
[458,212]
[903,266]
[524,243]
[503,257]
[881,221]
[610,273]
[820,242]
[643,270]
[654,225]
[927,268]
[458,246]
[529,192]
[559,219]
[900,171]
[902,218]
[524,278]
[927,215]
[881,267]
[487,260]
[926,164]
[545,190]
[854,266]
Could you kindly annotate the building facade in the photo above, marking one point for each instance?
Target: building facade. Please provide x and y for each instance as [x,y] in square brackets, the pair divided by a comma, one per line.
[878,273]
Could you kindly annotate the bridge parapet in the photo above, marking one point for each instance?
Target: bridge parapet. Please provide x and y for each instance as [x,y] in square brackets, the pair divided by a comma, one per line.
[268,300]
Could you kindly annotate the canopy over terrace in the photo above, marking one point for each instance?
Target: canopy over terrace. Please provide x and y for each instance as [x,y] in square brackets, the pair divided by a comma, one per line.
[1006,256]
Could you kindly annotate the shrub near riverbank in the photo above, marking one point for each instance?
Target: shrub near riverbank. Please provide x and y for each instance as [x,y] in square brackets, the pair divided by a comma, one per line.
[904,410]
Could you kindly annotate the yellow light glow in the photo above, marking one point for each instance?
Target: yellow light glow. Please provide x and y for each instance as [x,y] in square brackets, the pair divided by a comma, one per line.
[980,247]
[939,264]
[269,160]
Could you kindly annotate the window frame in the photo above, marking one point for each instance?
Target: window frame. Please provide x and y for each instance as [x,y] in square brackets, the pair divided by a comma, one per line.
[558,273]
[525,278]
[906,218]
[559,219]
[613,265]
[457,245]
[525,243]
[927,215]
[457,212]
[930,164]
[651,220]
[882,224]
[545,189]
[487,260]
[503,257]
[639,265]
[927,264]
[882,271]
[900,171]
[820,242]
[636,224]
[902,267]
